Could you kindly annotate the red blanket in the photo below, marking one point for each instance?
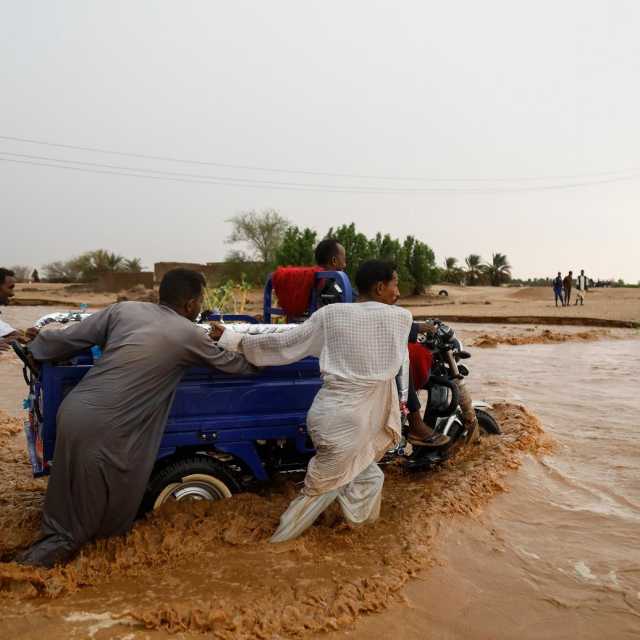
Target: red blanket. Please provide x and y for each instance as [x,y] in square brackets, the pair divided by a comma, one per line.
[420,360]
[293,287]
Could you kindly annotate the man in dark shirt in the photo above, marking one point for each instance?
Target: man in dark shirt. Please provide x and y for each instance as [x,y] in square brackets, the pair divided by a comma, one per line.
[568,283]
[557,289]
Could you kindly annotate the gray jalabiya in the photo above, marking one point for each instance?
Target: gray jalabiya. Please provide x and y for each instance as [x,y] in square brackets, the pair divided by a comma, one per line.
[109,427]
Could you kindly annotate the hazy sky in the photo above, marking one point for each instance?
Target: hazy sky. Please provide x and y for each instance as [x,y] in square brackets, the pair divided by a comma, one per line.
[469,97]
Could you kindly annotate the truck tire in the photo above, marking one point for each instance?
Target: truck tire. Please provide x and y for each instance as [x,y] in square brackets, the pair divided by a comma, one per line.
[487,423]
[194,478]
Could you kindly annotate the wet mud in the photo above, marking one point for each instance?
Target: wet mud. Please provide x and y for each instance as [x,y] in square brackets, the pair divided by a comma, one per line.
[546,336]
[207,568]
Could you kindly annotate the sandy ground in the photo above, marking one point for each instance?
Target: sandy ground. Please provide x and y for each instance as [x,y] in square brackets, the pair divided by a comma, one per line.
[61,295]
[503,303]
[488,304]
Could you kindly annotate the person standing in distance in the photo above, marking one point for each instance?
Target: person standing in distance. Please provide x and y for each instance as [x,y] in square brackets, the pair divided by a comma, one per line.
[582,284]
[568,283]
[557,289]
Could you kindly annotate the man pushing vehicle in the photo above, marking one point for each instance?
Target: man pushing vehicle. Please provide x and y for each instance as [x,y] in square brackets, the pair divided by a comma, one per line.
[111,424]
[355,417]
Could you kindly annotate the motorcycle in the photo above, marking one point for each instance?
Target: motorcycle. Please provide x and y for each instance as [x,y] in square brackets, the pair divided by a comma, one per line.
[449,409]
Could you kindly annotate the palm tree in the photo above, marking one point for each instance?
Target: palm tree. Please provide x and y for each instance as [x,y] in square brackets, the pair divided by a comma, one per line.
[133,265]
[452,273]
[498,270]
[474,270]
[104,261]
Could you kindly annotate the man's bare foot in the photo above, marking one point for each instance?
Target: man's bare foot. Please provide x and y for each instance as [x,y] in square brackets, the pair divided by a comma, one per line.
[422,435]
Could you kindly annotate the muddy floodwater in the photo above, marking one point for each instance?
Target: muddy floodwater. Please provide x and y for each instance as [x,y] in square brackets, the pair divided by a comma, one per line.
[533,534]
[558,554]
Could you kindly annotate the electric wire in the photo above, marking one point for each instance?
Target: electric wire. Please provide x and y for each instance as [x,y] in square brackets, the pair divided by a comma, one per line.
[98,168]
[244,167]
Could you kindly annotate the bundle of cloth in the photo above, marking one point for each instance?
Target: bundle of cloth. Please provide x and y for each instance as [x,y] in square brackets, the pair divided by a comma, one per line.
[61,318]
[293,287]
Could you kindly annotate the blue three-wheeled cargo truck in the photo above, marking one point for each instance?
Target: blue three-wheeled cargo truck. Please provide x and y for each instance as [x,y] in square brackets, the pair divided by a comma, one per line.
[224,432]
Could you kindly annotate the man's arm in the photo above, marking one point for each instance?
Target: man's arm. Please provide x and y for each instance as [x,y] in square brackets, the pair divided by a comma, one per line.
[64,342]
[203,350]
[273,349]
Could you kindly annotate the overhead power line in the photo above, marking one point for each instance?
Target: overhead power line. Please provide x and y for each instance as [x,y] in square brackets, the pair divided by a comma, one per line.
[243,167]
[172,176]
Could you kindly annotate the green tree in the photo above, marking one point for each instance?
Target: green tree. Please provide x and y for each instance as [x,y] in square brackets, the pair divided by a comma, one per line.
[103,261]
[261,232]
[414,260]
[452,272]
[297,247]
[392,250]
[356,244]
[498,271]
[474,268]
[421,264]
[132,265]
[89,266]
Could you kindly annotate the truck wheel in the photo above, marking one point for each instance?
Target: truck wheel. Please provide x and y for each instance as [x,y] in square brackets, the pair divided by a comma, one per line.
[193,478]
[488,424]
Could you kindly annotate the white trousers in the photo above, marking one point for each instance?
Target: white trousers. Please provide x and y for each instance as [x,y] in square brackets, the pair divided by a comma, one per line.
[360,501]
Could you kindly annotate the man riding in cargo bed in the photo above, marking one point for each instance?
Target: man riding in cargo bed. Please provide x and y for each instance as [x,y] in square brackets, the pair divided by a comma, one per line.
[109,427]
[355,417]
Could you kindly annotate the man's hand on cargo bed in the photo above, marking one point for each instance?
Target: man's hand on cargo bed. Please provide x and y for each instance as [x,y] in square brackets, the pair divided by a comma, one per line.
[31,333]
[217,329]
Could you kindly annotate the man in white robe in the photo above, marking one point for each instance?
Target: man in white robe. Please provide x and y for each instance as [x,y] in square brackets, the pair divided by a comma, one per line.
[355,417]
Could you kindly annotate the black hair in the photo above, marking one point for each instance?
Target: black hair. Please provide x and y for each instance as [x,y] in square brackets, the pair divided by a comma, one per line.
[6,273]
[373,271]
[178,286]
[326,249]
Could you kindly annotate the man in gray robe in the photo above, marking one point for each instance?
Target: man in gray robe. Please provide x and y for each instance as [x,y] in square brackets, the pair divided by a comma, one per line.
[110,425]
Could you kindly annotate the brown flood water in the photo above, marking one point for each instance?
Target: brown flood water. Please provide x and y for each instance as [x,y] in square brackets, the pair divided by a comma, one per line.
[507,541]
[558,554]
